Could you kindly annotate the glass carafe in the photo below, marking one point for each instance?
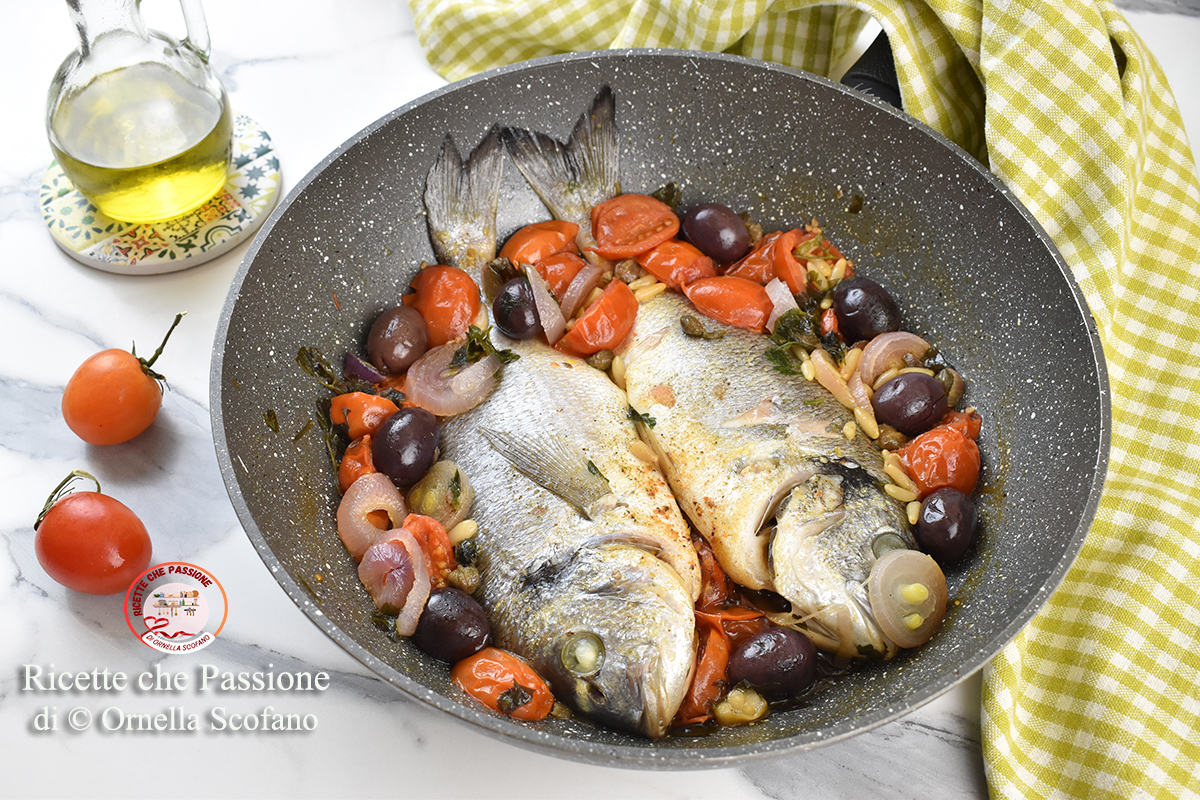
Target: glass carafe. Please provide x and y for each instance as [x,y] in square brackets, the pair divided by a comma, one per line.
[138,120]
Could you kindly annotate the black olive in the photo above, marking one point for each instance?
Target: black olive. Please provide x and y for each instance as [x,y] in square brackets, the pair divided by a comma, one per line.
[911,402]
[515,311]
[717,232]
[452,626]
[946,525]
[779,662]
[405,445]
[398,337]
[864,309]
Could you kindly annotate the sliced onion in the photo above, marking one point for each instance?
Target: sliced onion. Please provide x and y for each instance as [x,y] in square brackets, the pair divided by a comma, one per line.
[781,300]
[907,590]
[581,286]
[827,375]
[355,367]
[371,492]
[387,572]
[444,392]
[414,604]
[549,314]
[886,351]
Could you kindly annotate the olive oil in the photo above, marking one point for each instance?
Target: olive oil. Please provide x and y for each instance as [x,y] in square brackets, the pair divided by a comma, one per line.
[144,144]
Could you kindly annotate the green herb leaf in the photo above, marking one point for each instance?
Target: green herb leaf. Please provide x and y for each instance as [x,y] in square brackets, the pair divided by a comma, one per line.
[478,345]
[512,699]
[797,326]
[456,489]
[782,359]
[272,420]
[300,434]
[645,419]
[592,468]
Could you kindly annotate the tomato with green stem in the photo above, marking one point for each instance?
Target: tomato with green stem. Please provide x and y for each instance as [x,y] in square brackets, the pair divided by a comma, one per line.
[504,683]
[114,395]
[90,542]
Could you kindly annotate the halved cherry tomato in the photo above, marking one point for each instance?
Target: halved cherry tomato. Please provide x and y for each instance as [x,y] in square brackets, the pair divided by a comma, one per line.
[114,395]
[539,241]
[361,412]
[447,298]
[759,264]
[677,263]
[498,679]
[604,324]
[434,540]
[559,270]
[355,463]
[714,584]
[940,457]
[735,301]
[829,323]
[89,542]
[708,683]
[629,224]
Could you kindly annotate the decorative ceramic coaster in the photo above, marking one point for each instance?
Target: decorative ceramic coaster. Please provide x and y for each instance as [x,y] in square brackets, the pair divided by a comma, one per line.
[232,216]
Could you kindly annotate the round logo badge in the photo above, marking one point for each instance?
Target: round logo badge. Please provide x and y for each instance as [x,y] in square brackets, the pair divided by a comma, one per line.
[176,607]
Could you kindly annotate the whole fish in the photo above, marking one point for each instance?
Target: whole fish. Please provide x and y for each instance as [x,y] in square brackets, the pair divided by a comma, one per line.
[587,569]
[759,462]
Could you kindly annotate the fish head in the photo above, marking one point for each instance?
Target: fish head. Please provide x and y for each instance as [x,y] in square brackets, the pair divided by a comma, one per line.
[830,530]
[622,647]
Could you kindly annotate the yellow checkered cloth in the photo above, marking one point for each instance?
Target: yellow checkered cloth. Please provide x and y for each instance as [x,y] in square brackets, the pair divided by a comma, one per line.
[1099,695]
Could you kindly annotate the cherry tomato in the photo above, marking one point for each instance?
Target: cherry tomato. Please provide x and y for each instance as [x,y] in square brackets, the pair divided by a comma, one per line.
[829,322]
[447,298]
[355,463]
[677,263]
[114,395]
[559,270]
[708,683]
[362,413]
[605,323]
[498,679]
[90,542]
[434,540]
[967,423]
[941,457]
[629,224]
[539,241]
[735,301]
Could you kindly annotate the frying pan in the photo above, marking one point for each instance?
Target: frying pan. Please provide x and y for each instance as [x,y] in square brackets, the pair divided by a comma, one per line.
[973,271]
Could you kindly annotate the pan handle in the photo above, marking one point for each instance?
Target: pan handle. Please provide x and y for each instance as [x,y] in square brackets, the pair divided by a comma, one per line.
[875,72]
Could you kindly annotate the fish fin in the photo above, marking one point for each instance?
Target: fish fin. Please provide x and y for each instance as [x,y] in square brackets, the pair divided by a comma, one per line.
[572,177]
[554,464]
[461,198]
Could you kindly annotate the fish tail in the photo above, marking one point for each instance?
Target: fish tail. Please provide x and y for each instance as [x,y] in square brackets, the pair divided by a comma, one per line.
[461,199]
[570,177]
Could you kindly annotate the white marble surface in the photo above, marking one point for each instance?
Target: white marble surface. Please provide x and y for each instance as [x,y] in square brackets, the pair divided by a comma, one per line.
[312,73]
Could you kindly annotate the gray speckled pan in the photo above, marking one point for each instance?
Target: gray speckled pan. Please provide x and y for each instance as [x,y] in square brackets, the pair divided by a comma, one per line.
[973,271]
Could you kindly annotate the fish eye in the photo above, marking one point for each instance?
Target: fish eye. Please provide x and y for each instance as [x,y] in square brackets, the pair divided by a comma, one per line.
[582,655]
[886,542]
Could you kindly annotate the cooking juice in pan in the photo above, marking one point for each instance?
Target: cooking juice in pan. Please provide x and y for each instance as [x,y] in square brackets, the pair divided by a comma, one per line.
[144,144]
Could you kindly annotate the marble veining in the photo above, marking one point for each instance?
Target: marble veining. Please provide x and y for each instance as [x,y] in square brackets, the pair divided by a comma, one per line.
[313,74]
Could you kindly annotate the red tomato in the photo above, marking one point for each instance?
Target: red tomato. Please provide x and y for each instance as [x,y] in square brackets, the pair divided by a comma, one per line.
[447,298]
[559,270]
[355,463]
[91,543]
[759,264]
[677,263]
[708,683]
[492,672]
[966,424]
[434,540]
[735,301]
[940,457]
[539,241]
[629,224]
[114,395]
[363,413]
[605,323]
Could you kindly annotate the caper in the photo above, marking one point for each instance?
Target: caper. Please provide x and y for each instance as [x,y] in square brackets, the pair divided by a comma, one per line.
[954,385]
[465,578]
[602,360]
[890,439]
[693,326]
